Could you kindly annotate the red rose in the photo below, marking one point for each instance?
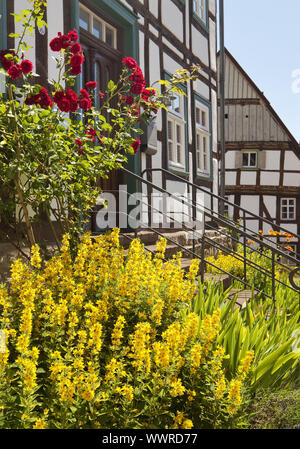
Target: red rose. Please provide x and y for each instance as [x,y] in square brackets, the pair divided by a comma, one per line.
[76,60]
[56,44]
[80,151]
[91,84]
[101,94]
[136,89]
[58,96]
[32,100]
[91,132]
[76,48]
[65,42]
[147,93]
[72,35]
[79,142]
[45,101]
[26,66]
[129,100]
[137,76]
[136,145]
[6,63]
[130,63]
[75,70]
[85,103]
[84,93]
[15,71]
[73,105]
[71,95]
[64,105]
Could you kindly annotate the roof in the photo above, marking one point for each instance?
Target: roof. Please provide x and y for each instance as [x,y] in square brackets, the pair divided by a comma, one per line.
[295,145]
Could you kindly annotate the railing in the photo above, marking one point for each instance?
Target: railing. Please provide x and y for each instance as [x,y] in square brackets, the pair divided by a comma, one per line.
[210,216]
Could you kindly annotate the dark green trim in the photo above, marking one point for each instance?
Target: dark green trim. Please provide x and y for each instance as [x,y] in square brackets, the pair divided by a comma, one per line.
[121,15]
[3,25]
[197,18]
[177,170]
[206,177]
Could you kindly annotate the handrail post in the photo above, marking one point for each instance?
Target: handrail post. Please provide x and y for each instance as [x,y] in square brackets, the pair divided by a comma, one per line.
[202,258]
[245,246]
[273,276]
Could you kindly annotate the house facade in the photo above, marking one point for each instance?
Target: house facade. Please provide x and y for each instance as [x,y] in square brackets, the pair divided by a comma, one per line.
[162,35]
[262,158]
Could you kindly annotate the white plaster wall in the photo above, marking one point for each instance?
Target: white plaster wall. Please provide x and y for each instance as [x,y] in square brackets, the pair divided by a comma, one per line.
[291,179]
[200,46]
[291,162]
[250,203]
[269,178]
[153,7]
[230,159]
[213,52]
[170,65]
[172,18]
[272,160]
[141,51]
[201,89]
[55,25]
[230,178]
[214,110]
[292,228]
[248,178]
[212,5]
[270,203]
[174,49]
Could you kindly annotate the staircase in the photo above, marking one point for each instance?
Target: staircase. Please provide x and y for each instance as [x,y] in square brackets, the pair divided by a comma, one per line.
[217,233]
[149,240]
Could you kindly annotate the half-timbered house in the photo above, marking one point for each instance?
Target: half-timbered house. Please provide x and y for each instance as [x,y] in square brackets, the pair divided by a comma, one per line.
[162,35]
[262,157]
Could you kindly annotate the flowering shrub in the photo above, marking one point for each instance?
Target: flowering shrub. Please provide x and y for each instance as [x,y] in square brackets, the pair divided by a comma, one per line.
[104,341]
[50,162]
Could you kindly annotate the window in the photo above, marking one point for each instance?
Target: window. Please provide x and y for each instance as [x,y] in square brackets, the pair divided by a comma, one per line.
[176,132]
[288,209]
[199,8]
[202,138]
[98,27]
[249,159]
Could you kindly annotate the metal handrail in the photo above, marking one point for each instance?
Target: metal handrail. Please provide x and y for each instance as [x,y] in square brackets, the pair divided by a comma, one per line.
[222,220]
[212,243]
[265,220]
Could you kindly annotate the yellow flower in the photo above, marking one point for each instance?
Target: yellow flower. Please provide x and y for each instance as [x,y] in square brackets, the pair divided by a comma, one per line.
[117,333]
[220,387]
[177,389]
[245,364]
[39,424]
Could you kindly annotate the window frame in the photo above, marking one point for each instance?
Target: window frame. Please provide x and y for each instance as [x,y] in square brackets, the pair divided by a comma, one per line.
[104,25]
[249,167]
[177,119]
[205,131]
[202,21]
[288,218]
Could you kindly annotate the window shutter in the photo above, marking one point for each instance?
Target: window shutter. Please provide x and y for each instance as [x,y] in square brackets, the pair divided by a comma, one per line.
[238,159]
[262,160]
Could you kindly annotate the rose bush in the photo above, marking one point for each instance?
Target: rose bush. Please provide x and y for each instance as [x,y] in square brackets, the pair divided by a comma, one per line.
[55,145]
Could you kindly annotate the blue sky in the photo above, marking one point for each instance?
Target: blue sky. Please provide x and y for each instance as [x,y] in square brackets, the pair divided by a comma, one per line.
[264,37]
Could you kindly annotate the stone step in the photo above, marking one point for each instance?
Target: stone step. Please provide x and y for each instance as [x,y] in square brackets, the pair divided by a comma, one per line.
[225,279]
[243,296]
